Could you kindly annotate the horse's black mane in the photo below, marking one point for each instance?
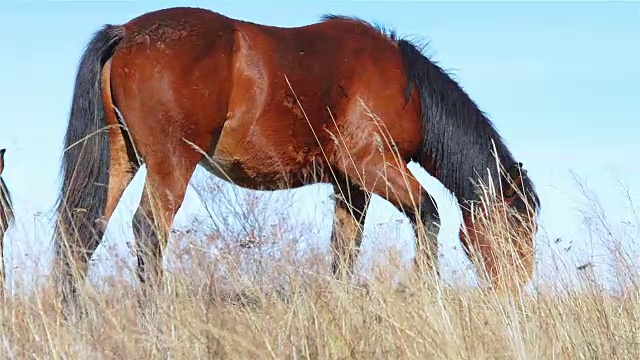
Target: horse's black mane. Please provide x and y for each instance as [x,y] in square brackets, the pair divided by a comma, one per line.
[459,138]
[390,33]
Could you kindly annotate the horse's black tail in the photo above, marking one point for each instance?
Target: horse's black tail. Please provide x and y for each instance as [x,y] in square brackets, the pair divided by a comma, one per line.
[85,160]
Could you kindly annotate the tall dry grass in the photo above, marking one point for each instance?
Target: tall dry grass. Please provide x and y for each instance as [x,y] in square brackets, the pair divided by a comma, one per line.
[267,299]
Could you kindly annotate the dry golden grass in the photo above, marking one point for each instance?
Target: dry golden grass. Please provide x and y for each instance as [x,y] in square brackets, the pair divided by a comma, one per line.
[286,306]
[314,318]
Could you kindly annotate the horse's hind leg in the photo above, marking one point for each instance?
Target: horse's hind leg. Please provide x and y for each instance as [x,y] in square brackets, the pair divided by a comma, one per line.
[168,175]
[122,168]
[348,224]
[123,165]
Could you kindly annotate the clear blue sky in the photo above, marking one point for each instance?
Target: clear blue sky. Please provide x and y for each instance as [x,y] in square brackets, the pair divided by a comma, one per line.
[560,81]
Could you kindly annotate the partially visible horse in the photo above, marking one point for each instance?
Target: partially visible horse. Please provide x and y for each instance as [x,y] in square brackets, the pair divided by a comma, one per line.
[6,218]
[340,102]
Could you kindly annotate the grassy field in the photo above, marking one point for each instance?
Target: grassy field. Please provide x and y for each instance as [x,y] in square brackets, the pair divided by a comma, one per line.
[308,316]
[285,306]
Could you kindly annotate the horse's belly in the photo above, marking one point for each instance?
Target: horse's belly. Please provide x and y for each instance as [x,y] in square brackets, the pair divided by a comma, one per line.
[262,170]
[251,174]
[256,156]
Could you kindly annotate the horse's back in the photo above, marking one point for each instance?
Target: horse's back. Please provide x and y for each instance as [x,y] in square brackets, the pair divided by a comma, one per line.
[297,92]
[276,99]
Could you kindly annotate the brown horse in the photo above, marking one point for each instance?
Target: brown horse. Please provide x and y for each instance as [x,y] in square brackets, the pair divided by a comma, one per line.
[6,218]
[339,102]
